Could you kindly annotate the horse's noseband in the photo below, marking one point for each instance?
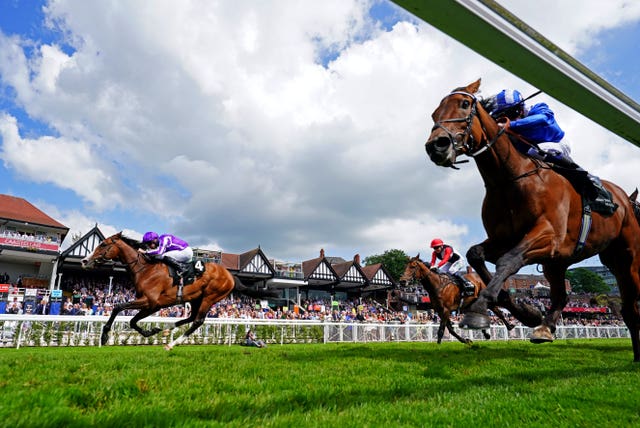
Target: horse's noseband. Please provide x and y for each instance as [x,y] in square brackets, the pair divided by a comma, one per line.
[461,141]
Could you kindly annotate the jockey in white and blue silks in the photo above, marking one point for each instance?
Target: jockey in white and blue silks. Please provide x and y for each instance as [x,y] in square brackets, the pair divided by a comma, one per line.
[538,126]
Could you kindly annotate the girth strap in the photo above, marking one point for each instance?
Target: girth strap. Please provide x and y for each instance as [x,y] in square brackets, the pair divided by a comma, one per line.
[585,226]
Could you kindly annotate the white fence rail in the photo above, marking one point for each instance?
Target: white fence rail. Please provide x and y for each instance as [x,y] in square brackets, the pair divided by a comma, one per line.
[60,330]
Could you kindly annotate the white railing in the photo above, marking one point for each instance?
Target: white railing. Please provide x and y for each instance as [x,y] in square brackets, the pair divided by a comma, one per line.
[61,330]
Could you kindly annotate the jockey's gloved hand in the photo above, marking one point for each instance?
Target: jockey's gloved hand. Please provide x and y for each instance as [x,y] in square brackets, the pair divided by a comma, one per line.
[434,269]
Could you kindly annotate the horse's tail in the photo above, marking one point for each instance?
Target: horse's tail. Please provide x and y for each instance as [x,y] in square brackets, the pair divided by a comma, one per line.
[256,293]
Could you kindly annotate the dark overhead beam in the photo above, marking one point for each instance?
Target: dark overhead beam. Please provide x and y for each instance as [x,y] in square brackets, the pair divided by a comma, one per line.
[493,32]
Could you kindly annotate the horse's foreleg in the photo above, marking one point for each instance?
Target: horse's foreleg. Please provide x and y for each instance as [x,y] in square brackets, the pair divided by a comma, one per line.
[556,276]
[140,315]
[477,260]
[453,333]
[104,336]
[496,310]
[525,313]
[476,316]
[135,304]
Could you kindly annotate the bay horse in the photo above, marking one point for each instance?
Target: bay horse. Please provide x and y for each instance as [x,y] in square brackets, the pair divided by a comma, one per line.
[155,290]
[446,297]
[533,215]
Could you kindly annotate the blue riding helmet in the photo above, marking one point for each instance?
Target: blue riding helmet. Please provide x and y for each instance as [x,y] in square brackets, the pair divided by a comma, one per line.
[503,100]
[149,237]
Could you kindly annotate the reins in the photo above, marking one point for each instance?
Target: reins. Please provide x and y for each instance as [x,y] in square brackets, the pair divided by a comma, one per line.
[464,144]
[132,263]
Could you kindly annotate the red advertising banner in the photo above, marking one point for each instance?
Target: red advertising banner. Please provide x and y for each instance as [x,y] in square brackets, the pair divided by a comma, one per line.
[585,310]
[29,244]
[4,288]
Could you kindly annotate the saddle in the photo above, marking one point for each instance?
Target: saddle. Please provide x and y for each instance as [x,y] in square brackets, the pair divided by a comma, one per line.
[187,272]
[589,186]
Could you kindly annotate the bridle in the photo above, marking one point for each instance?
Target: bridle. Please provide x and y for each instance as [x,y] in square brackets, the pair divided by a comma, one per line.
[463,142]
[129,263]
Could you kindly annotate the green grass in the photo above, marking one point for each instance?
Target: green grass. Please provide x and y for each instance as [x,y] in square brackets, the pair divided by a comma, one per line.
[508,384]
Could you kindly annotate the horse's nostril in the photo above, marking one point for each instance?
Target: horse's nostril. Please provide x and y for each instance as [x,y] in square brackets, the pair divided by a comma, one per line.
[441,143]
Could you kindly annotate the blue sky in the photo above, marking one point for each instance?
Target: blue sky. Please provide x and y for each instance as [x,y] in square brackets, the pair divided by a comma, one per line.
[290,126]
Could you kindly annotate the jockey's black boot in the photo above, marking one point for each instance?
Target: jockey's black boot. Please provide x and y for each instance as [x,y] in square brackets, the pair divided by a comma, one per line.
[181,268]
[600,198]
[590,186]
[466,287]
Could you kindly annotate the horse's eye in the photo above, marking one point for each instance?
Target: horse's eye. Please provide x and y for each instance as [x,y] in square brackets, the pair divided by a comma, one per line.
[465,104]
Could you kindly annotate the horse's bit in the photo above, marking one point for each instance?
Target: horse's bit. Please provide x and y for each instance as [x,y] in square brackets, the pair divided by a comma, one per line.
[465,143]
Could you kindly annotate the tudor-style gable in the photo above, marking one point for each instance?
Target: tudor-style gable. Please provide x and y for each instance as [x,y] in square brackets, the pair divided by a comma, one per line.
[84,246]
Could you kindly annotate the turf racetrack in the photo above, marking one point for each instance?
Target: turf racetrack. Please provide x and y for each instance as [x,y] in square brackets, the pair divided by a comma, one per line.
[570,383]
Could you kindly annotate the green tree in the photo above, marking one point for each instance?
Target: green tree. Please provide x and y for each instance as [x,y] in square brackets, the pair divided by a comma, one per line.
[393,260]
[585,281]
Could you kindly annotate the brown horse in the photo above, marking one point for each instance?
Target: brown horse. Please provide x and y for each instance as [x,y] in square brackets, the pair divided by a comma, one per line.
[533,215]
[155,289]
[445,295]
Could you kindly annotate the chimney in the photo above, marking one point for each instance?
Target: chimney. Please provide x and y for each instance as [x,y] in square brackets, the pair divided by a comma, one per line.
[321,252]
[356,259]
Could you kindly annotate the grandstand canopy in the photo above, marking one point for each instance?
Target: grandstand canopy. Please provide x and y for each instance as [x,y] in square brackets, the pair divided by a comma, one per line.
[496,34]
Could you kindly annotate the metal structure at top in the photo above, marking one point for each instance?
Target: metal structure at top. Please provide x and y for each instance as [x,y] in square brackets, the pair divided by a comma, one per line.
[492,31]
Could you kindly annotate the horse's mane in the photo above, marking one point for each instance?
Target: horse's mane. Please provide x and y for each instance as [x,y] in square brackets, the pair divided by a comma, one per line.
[134,243]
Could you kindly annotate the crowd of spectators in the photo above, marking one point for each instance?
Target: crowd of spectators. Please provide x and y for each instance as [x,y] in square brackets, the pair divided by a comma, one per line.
[85,296]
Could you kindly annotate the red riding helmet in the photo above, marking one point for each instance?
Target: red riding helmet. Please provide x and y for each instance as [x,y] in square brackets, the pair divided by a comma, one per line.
[436,243]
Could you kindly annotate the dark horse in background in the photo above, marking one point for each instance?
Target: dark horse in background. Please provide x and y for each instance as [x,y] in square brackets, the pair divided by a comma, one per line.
[155,289]
[446,297]
[533,215]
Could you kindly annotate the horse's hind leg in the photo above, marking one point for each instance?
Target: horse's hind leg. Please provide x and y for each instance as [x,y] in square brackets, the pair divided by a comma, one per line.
[198,315]
[178,340]
[556,277]
[195,308]
[627,273]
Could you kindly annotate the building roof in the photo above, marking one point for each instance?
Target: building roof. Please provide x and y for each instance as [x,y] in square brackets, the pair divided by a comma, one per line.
[20,209]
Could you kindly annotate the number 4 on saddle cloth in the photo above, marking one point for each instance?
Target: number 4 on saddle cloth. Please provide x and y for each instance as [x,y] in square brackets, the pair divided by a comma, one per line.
[185,271]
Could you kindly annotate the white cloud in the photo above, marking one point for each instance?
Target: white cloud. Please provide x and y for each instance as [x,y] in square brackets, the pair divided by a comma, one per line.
[222,121]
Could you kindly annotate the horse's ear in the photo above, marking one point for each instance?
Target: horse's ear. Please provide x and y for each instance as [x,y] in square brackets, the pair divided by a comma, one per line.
[418,256]
[634,195]
[474,87]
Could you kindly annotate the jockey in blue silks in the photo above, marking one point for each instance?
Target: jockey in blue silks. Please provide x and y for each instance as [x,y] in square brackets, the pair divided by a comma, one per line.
[538,126]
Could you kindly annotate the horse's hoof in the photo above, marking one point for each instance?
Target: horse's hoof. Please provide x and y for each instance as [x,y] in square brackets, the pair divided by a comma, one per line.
[104,339]
[475,321]
[541,334]
[168,348]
